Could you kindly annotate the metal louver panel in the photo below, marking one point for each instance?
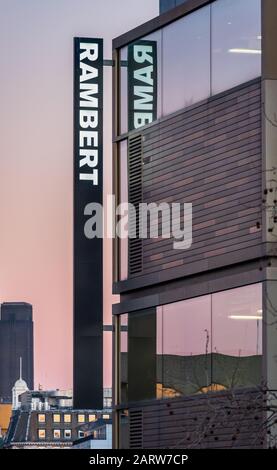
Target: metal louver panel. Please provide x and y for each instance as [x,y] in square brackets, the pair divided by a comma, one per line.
[135,198]
[135,438]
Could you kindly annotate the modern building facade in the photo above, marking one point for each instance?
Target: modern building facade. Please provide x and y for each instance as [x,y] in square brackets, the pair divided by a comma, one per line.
[16,341]
[195,342]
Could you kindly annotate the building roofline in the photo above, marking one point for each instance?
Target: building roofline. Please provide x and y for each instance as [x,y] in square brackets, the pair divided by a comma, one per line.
[16,303]
[159,21]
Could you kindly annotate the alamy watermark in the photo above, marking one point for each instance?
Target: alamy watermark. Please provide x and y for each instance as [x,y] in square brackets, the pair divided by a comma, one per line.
[164,220]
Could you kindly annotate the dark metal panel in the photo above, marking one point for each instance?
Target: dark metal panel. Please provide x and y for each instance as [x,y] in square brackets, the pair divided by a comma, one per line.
[88,264]
[235,258]
[193,286]
[143,303]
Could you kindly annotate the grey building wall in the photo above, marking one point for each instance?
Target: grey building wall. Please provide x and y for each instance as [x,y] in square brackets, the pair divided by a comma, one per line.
[16,340]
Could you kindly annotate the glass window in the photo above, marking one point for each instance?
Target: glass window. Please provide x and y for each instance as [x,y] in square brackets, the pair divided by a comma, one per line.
[67,433]
[236,42]
[237,337]
[204,53]
[91,418]
[56,433]
[81,434]
[41,418]
[56,418]
[209,343]
[186,61]
[67,418]
[184,347]
[106,416]
[41,433]
[81,418]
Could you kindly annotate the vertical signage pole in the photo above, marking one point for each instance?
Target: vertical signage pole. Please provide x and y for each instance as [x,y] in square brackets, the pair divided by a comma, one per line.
[88,252]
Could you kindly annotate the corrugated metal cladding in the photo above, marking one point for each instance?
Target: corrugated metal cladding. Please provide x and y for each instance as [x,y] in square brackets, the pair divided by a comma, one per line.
[212,421]
[208,155]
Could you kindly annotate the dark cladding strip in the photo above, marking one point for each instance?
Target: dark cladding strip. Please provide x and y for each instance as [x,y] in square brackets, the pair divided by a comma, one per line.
[88,184]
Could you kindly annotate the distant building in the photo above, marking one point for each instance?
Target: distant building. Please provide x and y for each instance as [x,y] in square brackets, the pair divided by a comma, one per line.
[16,340]
[5,415]
[45,419]
[98,435]
[51,428]
[107,399]
[18,389]
[45,400]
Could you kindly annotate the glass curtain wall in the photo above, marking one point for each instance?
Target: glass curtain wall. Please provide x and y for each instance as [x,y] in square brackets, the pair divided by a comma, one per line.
[210,343]
[204,53]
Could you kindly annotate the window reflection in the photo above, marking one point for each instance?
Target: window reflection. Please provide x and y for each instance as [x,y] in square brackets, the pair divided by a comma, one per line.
[204,53]
[186,61]
[207,344]
[237,336]
[184,351]
[236,43]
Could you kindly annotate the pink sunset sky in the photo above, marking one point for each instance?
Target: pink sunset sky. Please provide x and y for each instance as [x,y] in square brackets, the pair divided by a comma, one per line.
[36,162]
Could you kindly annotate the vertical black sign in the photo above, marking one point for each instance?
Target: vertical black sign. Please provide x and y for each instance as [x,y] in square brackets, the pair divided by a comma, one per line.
[88,186]
[142,83]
